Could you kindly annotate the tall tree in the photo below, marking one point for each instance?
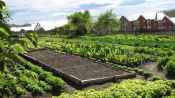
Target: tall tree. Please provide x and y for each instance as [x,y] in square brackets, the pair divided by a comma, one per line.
[107,23]
[81,22]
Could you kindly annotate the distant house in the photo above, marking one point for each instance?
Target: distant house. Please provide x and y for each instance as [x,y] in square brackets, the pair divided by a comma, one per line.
[167,23]
[23,29]
[173,20]
[141,23]
[125,24]
[147,22]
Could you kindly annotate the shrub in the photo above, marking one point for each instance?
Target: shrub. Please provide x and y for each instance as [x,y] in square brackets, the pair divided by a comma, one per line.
[19,91]
[155,78]
[162,62]
[147,74]
[170,68]
[34,88]
[45,86]
[55,82]
[9,87]
[173,92]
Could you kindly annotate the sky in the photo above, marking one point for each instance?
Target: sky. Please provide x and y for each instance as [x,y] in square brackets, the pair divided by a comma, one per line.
[54,12]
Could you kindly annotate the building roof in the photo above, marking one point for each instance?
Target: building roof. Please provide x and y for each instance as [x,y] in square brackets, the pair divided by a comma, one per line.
[172,19]
[148,15]
[26,28]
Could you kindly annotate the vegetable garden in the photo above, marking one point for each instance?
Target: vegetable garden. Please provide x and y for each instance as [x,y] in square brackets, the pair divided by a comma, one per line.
[123,50]
[19,76]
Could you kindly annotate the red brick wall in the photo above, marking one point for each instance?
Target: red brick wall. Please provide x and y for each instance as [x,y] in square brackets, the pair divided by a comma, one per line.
[154,25]
[142,23]
[166,23]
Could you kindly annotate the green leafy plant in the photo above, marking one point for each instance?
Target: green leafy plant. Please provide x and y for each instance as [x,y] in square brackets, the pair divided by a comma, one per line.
[155,78]
[128,88]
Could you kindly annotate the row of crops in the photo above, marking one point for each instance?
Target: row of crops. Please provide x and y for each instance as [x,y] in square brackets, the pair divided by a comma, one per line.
[28,79]
[127,50]
[130,89]
[124,50]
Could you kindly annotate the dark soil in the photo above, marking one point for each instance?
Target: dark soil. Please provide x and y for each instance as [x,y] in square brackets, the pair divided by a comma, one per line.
[75,65]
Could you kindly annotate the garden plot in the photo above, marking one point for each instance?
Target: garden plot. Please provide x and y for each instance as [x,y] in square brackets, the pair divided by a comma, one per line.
[79,70]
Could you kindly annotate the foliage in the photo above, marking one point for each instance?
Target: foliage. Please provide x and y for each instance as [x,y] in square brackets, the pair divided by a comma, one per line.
[15,79]
[81,22]
[147,74]
[167,64]
[155,78]
[128,89]
[27,79]
[118,50]
[107,23]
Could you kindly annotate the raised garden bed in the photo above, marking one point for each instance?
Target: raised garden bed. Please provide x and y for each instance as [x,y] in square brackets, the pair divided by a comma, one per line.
[76,69]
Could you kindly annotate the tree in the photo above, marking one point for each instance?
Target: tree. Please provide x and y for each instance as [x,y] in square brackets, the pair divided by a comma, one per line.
[81,22]
[10,47]
[107,23]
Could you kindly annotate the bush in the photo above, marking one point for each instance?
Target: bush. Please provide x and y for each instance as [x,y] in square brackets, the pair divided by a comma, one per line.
[19,91]
[155,78]
[173,92]
[170,68]
[147,75]
[31,85]
[34,88]
[55,82]
[45,86]
[9,87]
[162,62]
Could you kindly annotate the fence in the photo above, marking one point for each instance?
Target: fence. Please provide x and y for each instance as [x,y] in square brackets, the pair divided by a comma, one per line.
[168,33]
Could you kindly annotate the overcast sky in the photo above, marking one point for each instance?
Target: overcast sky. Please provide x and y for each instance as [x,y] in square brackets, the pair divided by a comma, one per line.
[55,11]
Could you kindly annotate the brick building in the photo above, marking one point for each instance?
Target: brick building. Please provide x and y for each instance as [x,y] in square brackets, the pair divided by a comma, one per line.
[147,22]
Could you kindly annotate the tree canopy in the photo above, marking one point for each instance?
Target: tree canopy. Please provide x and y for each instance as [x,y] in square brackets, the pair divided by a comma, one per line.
[107,23]
[81,22]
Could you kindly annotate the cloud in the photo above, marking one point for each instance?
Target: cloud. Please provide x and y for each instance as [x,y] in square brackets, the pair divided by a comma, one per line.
[93,5]
[131,2]
[33,11]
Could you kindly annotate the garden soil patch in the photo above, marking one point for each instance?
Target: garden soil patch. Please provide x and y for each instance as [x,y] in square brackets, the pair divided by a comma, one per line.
[81,68]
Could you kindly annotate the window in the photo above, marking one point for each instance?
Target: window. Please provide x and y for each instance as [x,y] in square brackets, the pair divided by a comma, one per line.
[170,27]
[148,21]
[164,21]
[160,27]
[159,22]
[148,27]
